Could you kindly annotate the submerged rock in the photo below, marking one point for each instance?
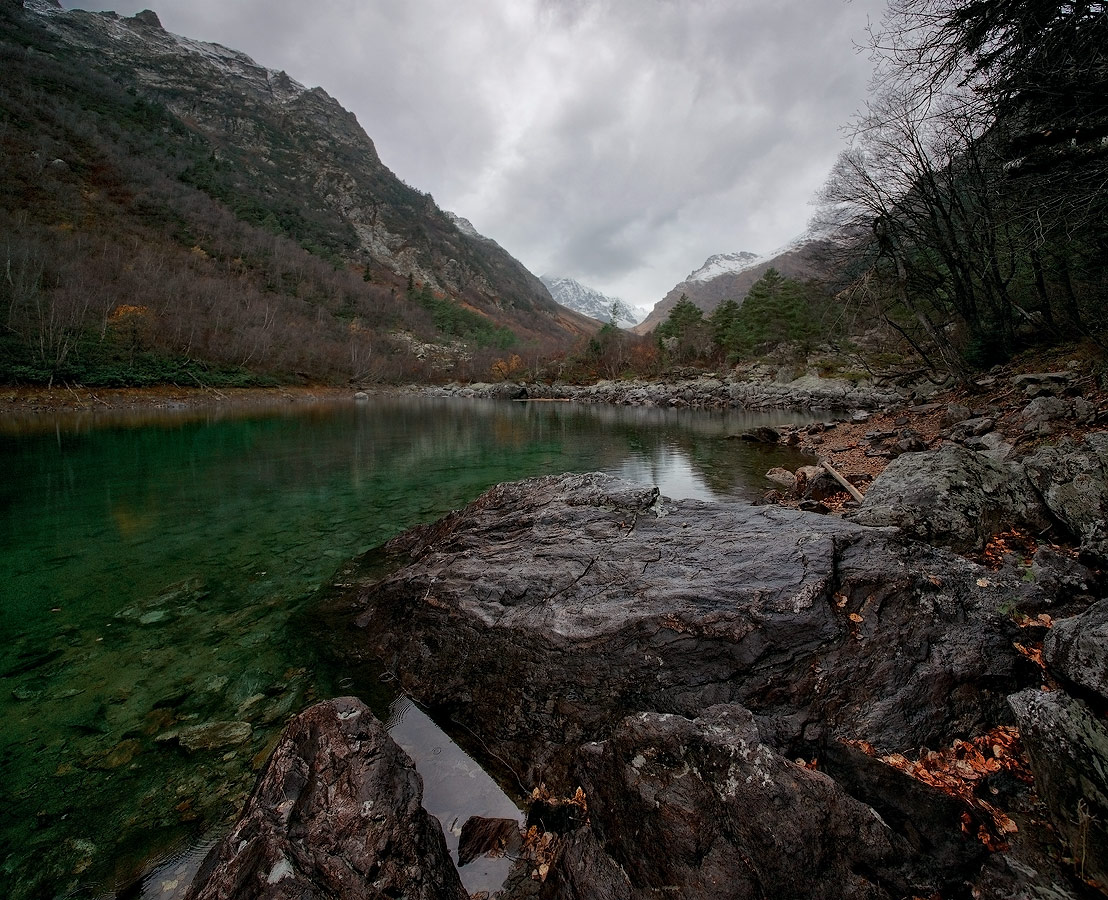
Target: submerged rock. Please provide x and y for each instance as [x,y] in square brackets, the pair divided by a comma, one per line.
[482,836]
[214,735]
[336,814]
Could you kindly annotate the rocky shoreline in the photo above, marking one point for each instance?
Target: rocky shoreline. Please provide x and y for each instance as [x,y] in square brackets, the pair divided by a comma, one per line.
[741,701]
[756,390]
[904,697]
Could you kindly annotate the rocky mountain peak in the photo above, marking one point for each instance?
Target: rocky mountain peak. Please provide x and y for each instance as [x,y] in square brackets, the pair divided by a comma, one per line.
[571,294]
[723,263]
[148,17]
[729,276]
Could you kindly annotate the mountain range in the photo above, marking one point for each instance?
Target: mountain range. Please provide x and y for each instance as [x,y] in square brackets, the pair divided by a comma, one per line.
[197,153]
[726,276]
[572,294]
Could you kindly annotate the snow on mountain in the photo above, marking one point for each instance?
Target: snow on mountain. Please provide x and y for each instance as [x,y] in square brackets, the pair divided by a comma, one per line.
[724,263]
[572,294]
[729,276]
[740,261]
[464,225]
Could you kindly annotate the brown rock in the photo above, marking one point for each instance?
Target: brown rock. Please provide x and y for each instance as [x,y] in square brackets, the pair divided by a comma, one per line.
[487,837]
[783,477]
[336,814]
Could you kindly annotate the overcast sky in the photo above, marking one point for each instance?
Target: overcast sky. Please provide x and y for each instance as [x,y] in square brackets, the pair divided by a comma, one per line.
[619,142]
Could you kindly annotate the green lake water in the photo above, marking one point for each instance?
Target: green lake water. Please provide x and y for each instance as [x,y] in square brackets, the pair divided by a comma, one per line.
[152,568]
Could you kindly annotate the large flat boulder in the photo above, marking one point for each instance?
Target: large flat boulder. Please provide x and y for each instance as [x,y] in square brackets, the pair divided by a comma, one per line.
[547,610]
[335,815]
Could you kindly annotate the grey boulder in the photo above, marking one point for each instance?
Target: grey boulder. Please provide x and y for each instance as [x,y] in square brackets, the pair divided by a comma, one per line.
[1076,649]
[1073,481]
[1068,746]
[547,610]
[951,497]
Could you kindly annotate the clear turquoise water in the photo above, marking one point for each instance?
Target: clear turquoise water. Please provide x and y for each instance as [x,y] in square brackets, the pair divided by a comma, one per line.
[149,570]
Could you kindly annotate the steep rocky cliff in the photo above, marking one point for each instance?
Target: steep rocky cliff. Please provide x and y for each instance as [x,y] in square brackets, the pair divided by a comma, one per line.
[291,160]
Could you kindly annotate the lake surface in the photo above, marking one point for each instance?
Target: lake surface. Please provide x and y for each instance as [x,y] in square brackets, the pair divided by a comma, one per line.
[150,566]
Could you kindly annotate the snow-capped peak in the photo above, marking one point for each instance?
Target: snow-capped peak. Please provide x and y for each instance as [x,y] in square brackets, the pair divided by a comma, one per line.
[733,263]
[724,264]
[572,294]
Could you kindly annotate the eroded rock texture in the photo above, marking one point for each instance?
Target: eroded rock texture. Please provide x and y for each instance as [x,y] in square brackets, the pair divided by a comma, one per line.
[676,658]
[336,814]
[953,497]
[703,808]
[1068,745]
[548,609]
[1073,481]
[1076,649]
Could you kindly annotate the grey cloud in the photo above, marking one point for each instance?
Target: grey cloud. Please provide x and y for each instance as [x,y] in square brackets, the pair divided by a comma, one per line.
[617,141]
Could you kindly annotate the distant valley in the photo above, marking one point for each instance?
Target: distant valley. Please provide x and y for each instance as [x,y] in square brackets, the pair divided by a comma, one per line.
[572,294]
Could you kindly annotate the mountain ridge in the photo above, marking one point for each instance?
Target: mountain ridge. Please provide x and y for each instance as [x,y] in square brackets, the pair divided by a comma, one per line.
[729,276]
[290,159]
[572,294]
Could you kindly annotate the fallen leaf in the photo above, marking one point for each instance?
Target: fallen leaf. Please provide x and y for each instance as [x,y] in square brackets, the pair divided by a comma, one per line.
[958,771]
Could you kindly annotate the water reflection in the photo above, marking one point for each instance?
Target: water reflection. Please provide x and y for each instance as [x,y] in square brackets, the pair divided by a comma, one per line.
[455,787]
[146,658]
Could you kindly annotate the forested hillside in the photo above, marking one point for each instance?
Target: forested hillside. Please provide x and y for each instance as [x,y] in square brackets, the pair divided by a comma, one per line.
[977,180]
[170,211]
[966,223]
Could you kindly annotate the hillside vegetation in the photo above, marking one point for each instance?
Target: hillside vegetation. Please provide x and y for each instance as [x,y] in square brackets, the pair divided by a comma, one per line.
[142,244]
[171,212]
[966,223]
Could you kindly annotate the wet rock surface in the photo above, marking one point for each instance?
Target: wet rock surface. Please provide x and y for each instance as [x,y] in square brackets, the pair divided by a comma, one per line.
[482,836]
[685,662]
[335,814]
[704,808]
[548,609]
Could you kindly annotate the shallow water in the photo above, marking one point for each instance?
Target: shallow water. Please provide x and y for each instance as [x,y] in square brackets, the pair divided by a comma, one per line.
[149,570]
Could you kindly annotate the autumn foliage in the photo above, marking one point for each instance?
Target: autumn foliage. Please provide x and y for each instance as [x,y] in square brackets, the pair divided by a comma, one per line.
[960,769]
